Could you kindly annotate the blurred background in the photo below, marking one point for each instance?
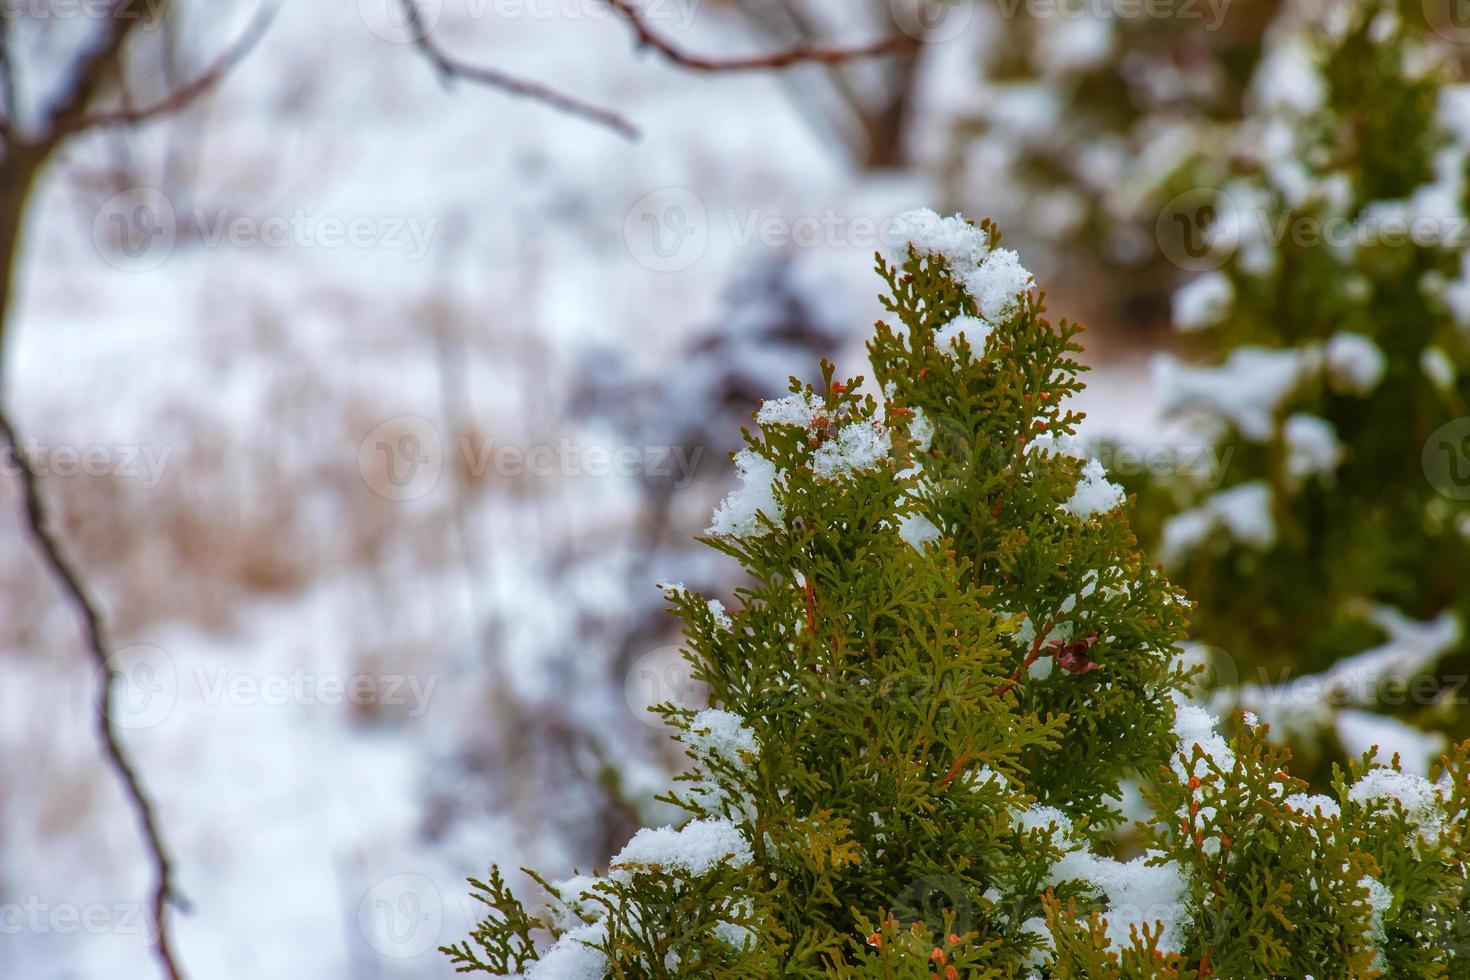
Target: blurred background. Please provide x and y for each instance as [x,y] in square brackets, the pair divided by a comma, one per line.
[370,398]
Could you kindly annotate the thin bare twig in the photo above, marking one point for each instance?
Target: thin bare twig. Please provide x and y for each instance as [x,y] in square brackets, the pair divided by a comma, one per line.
[799,54]
[36,521]
[450,67]
[183,96]
[20,165]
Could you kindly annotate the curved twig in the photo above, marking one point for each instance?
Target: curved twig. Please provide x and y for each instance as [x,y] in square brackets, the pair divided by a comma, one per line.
[451,67]
[799,54]
[86,609]
[182,97]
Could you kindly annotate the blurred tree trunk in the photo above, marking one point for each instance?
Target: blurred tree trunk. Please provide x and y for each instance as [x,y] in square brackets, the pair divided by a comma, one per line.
[25,155]
[886,126]
[18,170]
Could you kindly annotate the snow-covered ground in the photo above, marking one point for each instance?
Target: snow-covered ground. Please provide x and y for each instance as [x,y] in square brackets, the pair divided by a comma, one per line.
[365,652]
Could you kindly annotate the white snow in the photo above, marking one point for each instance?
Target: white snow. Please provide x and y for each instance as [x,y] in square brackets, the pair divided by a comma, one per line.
[1438,367]
[1355,364]
[1456,295]
[1412,647]
[1418,797]
[577,905]
[859,445]
[737,514]
[721,733]
[921,430]
[1066,445]
[721,617]
[994,277]
[1303,803]
[1453,112]
[998,285]
[1037,819]
[1247,390]
[1380,900]
[695,849]
[1138,894]
[1074,44]
[1196,726]
[1243,511]
[571,957]
[1312,447]
[1288,80]
[1095,494]
[1301,706]
[973,329]
[1203,302]
[960,243]
[1360,731]
[918,530]
[799,409]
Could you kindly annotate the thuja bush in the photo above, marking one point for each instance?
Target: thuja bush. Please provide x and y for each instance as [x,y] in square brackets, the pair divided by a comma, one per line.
[1087,122]
[1327,545]
[948,658]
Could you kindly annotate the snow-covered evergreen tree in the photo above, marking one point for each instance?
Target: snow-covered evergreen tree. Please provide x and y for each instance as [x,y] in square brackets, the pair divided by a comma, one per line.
[1329,564]
[948,657]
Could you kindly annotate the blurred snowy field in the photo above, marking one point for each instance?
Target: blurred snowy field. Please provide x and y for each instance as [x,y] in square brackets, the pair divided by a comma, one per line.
[364,655]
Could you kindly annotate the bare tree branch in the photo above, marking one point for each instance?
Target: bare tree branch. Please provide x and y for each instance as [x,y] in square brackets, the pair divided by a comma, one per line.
[21,162]
[87,79]
[799,54]
[180,98]
[86,609]
[7,79]
[450,67]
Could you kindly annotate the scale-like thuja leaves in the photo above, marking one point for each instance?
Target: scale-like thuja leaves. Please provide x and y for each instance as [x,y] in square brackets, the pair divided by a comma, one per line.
[948,660]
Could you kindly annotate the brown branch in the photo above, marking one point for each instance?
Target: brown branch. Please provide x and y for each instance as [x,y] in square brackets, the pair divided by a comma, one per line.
[180,98]
[90,75]
[450,67]
[20,165]
[86,609]
[1031,656]
[800,54]
[954,770]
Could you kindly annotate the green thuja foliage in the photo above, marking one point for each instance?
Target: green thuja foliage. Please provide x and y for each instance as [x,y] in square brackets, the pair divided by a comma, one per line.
[1328,544]
[1089,122]
[946,661]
